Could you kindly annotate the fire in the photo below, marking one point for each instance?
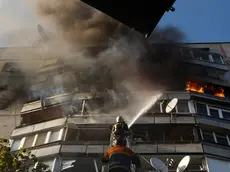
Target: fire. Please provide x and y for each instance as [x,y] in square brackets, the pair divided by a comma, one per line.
[220,93]
[193,86]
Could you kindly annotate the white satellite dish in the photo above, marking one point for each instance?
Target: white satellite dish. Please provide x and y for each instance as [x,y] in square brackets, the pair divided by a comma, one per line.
[171,105]
[183,164]
[158,165]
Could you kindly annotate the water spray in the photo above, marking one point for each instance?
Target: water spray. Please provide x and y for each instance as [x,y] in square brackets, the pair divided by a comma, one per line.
[147,106]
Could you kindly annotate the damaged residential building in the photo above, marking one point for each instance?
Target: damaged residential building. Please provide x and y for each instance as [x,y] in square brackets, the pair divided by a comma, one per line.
[61,131]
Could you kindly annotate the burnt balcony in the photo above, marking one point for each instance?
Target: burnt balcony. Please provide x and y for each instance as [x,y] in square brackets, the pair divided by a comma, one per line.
[204,59]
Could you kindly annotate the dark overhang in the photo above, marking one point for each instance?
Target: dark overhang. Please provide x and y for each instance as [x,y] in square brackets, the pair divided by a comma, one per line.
[142,16]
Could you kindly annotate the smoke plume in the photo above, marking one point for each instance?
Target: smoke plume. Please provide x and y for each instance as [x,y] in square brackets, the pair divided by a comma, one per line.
[106,56]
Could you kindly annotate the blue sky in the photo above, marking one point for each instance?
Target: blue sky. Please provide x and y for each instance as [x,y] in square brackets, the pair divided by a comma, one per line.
[201,20]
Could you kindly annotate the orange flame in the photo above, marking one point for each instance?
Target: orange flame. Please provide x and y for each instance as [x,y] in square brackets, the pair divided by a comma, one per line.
[220,93]
[193,86]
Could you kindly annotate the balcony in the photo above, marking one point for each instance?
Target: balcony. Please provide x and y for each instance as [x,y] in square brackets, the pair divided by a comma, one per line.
[46,151]
[56,101]
[222,67]
[210,121]
[213,149]
[25,130]
[195,148]
[210,97]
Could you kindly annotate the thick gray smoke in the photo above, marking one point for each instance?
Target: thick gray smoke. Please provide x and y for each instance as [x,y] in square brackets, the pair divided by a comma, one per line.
[106,56]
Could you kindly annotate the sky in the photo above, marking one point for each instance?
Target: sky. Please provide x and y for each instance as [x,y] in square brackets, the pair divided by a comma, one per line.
[200,20]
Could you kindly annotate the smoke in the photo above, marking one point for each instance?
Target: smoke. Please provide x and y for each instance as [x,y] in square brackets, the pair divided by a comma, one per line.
[79,24]
[106,56]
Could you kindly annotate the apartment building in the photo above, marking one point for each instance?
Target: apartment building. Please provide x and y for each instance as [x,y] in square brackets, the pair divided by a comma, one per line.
[60,130]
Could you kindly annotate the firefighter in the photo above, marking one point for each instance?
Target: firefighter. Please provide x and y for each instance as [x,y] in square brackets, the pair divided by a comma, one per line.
[120,127]
[119,157]
[120,130]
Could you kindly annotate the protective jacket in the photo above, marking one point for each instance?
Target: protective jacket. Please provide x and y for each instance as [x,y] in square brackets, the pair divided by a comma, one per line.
[120,128]
[120,159]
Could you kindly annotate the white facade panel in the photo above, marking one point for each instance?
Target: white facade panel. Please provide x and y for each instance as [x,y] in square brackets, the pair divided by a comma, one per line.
[47,151]
[38,127]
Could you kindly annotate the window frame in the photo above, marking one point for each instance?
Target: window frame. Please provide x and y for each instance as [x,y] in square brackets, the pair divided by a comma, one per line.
[210,106]
[214,108]
[20,143]
[214,137]
[221,58]
[202,104]
[176,107]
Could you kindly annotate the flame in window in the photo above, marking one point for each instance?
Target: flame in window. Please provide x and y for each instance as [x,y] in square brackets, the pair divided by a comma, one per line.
[220,93]
[193,86]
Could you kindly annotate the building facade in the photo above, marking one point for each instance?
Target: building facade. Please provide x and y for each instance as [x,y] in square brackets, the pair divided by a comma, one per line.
[60,130]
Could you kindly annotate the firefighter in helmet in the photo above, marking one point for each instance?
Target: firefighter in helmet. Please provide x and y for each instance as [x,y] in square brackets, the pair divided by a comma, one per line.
[120,130]
[120,127]
[119,157]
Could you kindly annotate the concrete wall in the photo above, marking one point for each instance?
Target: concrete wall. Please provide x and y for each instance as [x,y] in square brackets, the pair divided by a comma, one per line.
[9,119]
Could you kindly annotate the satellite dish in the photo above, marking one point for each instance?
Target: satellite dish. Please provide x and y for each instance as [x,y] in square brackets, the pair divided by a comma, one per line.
[171,105]
[183,164]
[158,165]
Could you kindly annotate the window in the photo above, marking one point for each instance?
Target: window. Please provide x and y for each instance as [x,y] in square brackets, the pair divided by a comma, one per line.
[71,134]
[54,136]
[201,56]
[28,142]
[217,58]
[186,52]
[214,112]
[226,114]
[205,57]
[201,109]
[182,106]
[94,134]
[222,139]
[208,136]
[41,139]
[15,145]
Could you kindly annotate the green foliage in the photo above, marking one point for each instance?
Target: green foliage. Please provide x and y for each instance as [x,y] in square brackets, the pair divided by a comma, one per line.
[20,161]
